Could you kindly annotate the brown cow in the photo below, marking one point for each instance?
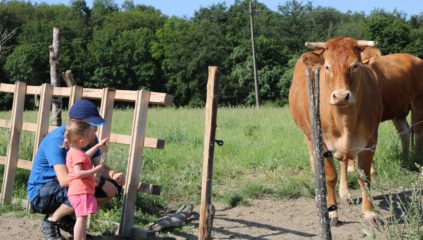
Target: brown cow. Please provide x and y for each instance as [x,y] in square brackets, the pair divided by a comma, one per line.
[401,86]
[350,108]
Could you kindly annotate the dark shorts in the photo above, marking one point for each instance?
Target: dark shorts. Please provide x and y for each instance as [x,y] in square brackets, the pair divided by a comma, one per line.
[52,195]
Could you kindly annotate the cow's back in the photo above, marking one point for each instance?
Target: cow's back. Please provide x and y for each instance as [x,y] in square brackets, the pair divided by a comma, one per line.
[396,79]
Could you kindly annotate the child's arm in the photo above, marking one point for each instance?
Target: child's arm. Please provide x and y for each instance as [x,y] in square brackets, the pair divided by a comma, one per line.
[90,152]
[79,173]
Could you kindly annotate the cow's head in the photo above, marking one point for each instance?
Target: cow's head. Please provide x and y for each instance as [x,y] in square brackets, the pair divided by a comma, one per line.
[369,54]
[342,69]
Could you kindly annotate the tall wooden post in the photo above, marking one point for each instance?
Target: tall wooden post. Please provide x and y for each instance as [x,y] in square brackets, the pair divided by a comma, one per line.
[317,142]
[106,110]
[54,79]
[133,169]
[46,93]
[206,208]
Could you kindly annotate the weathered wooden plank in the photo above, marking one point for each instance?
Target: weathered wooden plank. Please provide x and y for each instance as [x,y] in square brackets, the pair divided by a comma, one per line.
[23,164]
[92,93]
[206,218]
[32,127]
[161,98]
[4,123]
[155,97]
[75,95]
[148,142]
[5,87]
[33,90]
[134,164]
[13,145]
[42,125]
[61,91]
[106,111]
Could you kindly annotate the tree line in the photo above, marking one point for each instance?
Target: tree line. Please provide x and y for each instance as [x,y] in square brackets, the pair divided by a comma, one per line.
[138,47]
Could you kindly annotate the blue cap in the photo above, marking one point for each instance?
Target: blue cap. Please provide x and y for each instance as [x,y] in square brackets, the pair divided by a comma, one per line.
[87,111]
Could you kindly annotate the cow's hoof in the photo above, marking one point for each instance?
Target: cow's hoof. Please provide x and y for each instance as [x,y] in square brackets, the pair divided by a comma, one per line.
[334,222]
[371,220]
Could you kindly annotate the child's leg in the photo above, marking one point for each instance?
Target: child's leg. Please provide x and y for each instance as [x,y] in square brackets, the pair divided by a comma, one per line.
[80,229]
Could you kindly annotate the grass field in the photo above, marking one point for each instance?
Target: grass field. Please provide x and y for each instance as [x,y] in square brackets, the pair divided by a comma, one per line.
[264,154]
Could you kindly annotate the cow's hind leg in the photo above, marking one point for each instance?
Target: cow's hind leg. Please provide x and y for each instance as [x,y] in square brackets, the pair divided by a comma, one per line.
[404,132]
[417,111]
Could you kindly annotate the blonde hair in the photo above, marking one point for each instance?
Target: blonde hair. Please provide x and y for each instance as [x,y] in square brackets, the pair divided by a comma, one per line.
[75,129]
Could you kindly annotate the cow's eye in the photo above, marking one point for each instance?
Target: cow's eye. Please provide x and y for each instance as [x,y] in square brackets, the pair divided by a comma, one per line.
[327,67]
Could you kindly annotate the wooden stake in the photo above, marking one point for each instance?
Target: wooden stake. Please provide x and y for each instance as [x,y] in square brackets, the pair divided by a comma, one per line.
[68,77]
[75,94]
[42,120]
[106,111]
[133,170]
[13,146]
[317,142]
[54,66]
[206,208]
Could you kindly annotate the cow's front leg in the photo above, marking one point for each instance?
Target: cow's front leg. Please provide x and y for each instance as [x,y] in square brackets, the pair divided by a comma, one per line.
[331,180]
[344,193]
[364,164]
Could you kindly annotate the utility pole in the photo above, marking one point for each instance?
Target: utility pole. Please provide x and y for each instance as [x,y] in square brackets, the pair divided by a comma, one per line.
[254,55]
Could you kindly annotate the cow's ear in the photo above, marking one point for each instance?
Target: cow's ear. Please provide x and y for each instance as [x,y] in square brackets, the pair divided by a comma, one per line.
[313,58]
[369,53]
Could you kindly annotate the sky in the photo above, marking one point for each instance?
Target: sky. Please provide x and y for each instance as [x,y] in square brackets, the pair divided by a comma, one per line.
[186,8]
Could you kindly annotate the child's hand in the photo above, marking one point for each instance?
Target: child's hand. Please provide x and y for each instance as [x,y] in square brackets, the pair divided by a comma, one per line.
[104,142]
[98,168]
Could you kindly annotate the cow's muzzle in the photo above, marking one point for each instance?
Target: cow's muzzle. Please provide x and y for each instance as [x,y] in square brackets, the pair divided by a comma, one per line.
[341,98]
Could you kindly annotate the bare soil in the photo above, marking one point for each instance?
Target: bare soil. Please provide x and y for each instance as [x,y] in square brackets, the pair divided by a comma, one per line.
[260,219]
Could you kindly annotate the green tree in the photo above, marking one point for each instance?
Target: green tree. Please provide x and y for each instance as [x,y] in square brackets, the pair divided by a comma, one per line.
[390,30]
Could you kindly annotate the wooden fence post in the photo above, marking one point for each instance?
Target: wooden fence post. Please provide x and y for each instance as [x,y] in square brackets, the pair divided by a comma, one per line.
[106,110]
[46,94]
[133,170]
[54,79]
[13,146]
[317,142]
[206,207]
[75,94]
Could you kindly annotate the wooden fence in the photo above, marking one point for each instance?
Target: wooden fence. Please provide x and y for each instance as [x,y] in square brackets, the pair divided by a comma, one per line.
[108,97]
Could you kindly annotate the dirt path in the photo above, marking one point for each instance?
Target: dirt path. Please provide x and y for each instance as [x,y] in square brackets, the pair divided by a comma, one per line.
[261,219]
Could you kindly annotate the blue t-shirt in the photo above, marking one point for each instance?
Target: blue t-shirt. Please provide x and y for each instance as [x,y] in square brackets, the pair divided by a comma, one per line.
[49,153]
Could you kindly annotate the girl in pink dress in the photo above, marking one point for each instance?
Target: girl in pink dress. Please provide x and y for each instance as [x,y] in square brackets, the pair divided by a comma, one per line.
[78,135]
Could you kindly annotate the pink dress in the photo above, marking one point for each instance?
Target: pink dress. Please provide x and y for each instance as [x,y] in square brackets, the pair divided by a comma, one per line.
[81,190]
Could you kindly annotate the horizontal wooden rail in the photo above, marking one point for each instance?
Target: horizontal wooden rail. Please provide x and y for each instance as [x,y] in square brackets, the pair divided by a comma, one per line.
[115,138]
[93,93]
[148,142]
[4,123]
[24,164]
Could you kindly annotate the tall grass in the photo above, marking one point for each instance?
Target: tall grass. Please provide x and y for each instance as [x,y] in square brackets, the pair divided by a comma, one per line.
[264,154]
